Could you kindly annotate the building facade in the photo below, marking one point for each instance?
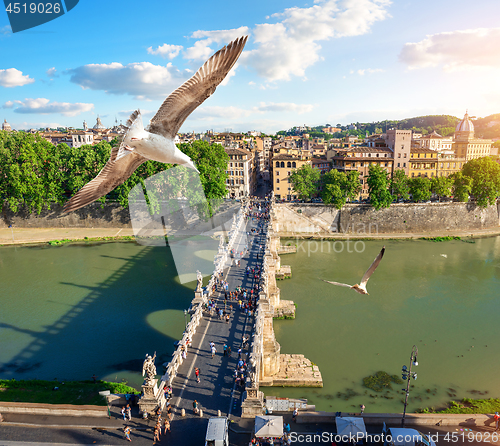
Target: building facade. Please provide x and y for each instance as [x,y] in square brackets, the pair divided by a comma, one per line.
[399,141]
[423,163]
[282,167]
[466,145]
[360,159]
[241,173]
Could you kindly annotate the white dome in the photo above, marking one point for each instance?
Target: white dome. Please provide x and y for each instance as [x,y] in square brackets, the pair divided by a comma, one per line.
[465,125]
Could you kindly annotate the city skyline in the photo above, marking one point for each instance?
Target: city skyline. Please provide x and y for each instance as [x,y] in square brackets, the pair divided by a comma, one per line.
[305,63]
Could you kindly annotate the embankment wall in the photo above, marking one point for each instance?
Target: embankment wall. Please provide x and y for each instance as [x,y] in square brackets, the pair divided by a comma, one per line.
[362,219]
[293,218]
[94,215]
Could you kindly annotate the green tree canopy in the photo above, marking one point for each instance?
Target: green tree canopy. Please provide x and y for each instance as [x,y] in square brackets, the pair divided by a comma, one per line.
[462,186]
[339,186]
[420,189]
[399,184]
[485,175]
[442,186]
[378,187]
[305,181]
[35,173]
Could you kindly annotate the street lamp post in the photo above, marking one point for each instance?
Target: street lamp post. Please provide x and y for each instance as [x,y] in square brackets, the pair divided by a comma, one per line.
[186,318]
[407,374]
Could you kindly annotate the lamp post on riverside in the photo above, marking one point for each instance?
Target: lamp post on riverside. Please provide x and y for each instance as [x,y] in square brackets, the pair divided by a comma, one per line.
[186,318]
[407,374]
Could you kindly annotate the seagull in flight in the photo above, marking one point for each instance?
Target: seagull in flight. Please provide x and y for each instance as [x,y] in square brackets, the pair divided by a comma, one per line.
[361,288]
[157,141]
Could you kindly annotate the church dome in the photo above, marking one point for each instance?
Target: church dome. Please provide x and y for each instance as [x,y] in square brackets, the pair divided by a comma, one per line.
[98,125]
[6,126]
[465,125]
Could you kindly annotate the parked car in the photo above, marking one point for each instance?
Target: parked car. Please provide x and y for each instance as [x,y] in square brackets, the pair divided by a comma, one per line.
[398,436]
[217,432]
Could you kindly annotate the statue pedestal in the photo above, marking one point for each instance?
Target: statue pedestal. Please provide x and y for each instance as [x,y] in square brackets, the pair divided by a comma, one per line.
[152,398]
[198,297]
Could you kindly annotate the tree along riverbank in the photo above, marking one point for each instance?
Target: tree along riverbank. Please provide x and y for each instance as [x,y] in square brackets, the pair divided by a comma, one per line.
[55,392]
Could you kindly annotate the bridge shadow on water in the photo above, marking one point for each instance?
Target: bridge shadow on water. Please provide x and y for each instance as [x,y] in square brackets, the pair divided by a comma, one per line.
[137,309]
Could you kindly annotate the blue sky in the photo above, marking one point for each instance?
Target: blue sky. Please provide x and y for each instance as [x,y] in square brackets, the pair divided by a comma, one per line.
[328,61]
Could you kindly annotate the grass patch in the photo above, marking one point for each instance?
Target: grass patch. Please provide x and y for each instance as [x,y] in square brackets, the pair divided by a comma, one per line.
[467,406]
[54,392]
[91,239]
[380,381]
[441,239]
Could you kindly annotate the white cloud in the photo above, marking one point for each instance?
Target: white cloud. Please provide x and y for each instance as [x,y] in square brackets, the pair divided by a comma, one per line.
[219,36]
[14,78]
[6,29]
[43,106]
[284,107]
[142,79]
[369,71]
[212,112]
[456,50]
[51,72]
[287,48]
[201,49]
[166,51]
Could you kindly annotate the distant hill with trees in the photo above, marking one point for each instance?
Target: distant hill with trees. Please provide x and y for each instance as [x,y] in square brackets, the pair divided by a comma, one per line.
[488,127]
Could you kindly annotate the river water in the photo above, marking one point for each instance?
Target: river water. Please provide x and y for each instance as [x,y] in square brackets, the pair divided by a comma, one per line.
[71,311]
[442,297]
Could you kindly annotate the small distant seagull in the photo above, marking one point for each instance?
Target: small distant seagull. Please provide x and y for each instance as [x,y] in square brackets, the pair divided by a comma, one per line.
[361,288]
[157,142]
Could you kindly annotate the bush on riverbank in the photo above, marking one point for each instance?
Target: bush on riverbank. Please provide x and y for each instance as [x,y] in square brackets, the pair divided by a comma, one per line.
[467,405]
[54,392]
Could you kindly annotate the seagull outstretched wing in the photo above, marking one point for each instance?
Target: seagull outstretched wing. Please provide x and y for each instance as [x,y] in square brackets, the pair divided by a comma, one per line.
[181,103]
[337,283]
[114,173]
[372,268]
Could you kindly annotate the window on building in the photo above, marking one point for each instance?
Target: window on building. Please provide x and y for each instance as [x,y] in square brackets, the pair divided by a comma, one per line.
[399,164]
[404,155]
[413,174]
[277,164]
[278,189]
[282,164]
[454,165]
[404,164]
[399,155]
[288,164]
[294,164]
[277,180]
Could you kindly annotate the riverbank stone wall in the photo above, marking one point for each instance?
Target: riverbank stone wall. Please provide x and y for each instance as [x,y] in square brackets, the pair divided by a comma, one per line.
[363,220]
[94,215]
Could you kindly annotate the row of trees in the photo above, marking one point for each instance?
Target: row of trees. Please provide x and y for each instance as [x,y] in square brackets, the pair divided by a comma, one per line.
[34,173]
[478,179]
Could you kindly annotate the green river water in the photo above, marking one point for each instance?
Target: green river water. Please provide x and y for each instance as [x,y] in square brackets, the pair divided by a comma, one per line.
[71,311]
[442,297]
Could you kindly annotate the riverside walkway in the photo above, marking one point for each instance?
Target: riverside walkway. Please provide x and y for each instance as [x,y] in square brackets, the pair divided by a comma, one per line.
[216,389]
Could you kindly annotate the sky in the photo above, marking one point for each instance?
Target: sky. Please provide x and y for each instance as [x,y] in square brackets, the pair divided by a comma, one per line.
[305,63]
